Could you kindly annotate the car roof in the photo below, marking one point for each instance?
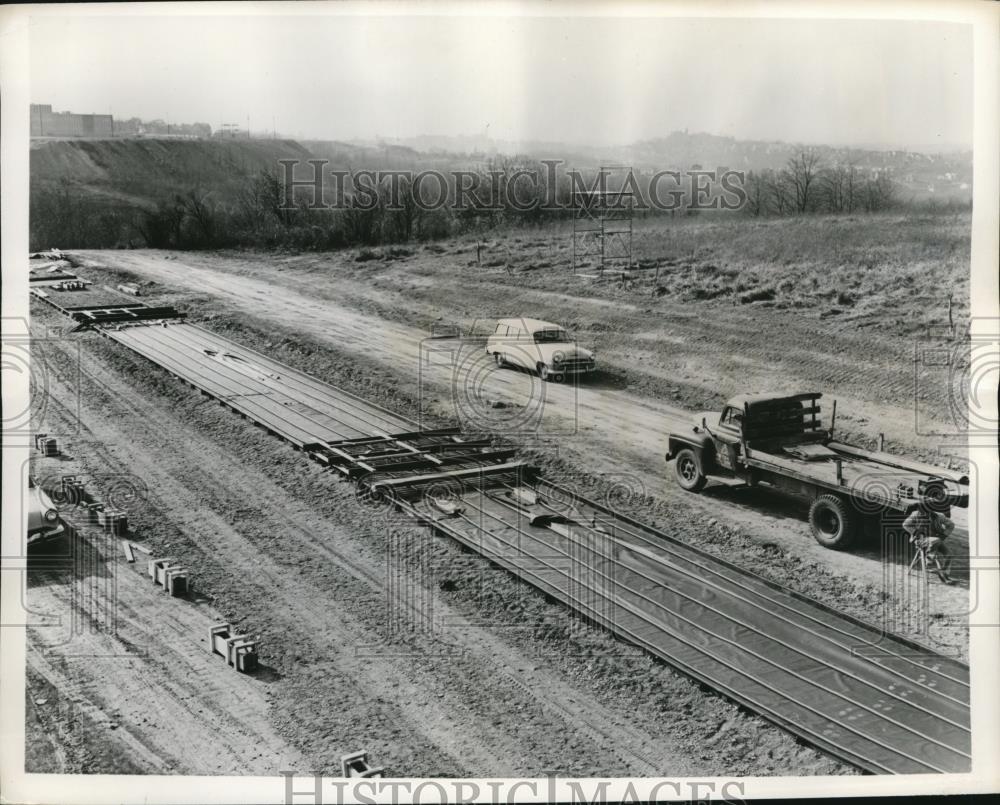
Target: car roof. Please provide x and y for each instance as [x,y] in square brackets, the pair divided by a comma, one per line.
[531,325]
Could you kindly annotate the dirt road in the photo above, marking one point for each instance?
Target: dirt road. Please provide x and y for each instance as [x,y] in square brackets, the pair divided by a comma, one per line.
[606,430]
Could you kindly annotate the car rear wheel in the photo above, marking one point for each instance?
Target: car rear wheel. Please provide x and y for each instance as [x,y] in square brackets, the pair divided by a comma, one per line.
[687,467]
[833,522]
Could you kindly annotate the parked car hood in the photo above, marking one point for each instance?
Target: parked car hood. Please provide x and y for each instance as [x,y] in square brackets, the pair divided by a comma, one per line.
[548,352]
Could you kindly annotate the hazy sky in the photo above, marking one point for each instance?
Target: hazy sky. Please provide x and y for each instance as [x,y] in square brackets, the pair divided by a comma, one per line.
[570,80]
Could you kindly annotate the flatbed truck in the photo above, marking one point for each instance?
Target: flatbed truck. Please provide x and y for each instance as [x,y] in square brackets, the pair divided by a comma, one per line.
[780,441]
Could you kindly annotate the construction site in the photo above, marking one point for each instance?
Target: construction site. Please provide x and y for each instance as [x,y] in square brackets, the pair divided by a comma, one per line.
[276,560]
[525,405]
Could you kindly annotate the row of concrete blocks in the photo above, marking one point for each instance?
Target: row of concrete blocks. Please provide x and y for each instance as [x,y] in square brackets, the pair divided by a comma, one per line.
[239,651]
[172,577]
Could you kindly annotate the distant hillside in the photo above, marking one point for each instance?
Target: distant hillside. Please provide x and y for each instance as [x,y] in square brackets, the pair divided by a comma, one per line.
[93,192]
[144,170]
[920,175]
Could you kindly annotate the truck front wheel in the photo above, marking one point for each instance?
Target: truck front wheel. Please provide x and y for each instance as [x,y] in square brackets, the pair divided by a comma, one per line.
[832,521]
[687,466]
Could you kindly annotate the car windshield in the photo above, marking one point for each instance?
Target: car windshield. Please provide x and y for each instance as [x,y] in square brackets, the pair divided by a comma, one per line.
[550,336]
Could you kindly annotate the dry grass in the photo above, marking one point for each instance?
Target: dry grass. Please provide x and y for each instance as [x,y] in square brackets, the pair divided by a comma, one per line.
[857,265]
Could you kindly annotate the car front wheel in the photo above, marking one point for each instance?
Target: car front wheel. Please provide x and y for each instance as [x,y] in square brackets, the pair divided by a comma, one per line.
[548,374]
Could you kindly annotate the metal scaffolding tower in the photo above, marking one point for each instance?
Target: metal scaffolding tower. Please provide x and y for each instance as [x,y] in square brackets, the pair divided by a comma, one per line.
[602,226]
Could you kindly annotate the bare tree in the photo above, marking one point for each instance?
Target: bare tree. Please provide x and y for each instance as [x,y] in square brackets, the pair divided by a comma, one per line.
[803,171]
[831,190]
[199,210]
[851,186]
[779,191]
[756,189]
[879,192]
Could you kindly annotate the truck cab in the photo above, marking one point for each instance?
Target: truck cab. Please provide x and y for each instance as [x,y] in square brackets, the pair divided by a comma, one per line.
[718,442]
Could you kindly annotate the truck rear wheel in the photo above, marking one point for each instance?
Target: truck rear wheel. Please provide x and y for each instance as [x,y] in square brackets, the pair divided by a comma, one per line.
[833,522]
[687,466]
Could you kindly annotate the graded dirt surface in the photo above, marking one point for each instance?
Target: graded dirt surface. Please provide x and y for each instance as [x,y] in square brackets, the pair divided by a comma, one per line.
[454,669]
[377,636]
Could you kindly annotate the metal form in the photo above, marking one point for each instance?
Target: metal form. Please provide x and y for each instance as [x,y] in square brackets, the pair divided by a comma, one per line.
[45,445]
[114,521]
[877,701]
[602,225]
[126,314]
[52,277]
[398,464]
[356,765]
[239,651]
[72,490]
[167,573]
[91,308]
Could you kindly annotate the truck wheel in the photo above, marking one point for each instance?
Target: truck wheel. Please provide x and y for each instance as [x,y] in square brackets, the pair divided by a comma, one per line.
[687,466]
[832,521]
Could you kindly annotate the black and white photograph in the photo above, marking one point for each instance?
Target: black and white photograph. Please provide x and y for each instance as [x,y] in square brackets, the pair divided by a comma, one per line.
[424,402]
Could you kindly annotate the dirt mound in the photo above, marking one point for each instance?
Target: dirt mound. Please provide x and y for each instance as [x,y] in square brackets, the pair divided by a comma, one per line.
[100,192]
[153,169]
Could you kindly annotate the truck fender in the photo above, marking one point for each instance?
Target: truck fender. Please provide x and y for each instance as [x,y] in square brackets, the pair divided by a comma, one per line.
[701,443]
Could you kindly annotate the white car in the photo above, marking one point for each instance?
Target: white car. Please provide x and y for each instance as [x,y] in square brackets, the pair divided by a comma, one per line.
[43,517]
[538,346]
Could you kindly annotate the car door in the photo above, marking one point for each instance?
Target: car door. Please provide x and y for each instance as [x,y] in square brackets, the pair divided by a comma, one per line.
[496,340]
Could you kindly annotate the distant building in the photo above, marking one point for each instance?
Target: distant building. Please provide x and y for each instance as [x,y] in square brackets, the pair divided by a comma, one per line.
[46,123]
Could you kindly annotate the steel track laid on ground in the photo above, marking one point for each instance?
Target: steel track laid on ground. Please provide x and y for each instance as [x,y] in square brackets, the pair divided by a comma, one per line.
[883,715]
[872,699]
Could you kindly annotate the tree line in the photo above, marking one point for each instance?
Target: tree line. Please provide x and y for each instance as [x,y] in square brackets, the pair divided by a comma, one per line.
[806,185]
[253,213]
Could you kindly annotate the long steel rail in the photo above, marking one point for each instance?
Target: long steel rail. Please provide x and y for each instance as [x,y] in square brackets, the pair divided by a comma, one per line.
[878,718]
